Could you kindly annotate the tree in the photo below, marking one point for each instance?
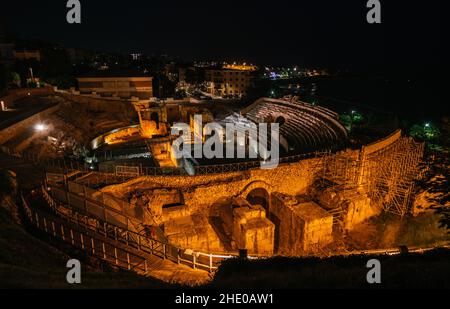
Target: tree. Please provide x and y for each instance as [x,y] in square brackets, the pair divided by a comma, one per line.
[425,132]
[14,78]
[351,119]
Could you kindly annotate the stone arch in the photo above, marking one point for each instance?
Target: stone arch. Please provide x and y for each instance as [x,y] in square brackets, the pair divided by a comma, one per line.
[280,119]
[258,187]
[255,184]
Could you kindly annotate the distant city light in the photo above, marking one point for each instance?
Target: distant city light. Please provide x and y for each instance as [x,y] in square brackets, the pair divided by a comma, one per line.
[427,125]
[274,75]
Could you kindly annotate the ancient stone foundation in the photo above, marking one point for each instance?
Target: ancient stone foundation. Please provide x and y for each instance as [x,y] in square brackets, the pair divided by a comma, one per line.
[191,231]
[353,206]
[252,230]
[301,226]
[247,227]
[150,128]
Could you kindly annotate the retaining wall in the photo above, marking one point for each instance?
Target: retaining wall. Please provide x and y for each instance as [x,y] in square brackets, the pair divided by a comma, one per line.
[19,127]
[17,94]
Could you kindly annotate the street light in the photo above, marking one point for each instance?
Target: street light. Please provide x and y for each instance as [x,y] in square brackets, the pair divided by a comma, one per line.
[39,127]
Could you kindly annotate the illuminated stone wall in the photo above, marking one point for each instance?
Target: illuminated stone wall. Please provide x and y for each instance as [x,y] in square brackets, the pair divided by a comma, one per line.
[192,232]
[306,200]
[17,94]
[19,127]
[201,191]
[97,103]
[151,128]
[300,227]
[121,136]
[252,230]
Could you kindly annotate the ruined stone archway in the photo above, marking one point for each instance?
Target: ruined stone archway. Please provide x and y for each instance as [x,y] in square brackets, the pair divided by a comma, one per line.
[259,196]
[258,192]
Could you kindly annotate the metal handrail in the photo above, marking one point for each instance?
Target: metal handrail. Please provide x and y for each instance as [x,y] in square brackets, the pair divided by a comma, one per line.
[47,224]
[69,164]
[157,248]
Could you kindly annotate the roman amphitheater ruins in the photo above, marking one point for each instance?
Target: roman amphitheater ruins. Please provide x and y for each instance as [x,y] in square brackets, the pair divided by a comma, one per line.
[129,189]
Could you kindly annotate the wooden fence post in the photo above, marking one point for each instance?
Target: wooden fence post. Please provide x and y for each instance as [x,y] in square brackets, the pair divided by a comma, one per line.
[62,232]
[92,245]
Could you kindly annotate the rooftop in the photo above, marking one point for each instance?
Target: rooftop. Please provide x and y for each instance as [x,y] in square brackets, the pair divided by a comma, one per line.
[234,67]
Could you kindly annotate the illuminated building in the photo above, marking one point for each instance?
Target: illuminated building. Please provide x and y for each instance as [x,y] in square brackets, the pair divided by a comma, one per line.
[118,85]
[27,54]
[229,80]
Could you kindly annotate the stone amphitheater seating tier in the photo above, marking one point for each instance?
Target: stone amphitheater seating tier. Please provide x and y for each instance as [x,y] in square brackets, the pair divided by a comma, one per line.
[306,128]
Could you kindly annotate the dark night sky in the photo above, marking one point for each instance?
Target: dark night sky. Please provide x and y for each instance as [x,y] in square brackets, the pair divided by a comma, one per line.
[312,32]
